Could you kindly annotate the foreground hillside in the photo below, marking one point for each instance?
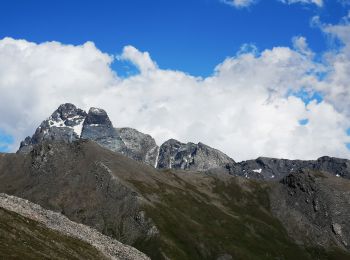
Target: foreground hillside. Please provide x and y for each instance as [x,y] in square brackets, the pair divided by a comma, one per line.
[174,214]
[27,231]
[23,238]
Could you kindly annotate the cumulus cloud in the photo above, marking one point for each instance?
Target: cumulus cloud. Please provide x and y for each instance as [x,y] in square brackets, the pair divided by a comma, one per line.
[316,2]
[141,60]
[246,3]
[336,84]
[240,3]
[247,108]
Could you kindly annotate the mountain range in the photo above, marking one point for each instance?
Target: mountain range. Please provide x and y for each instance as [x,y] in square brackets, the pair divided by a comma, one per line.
[177,200]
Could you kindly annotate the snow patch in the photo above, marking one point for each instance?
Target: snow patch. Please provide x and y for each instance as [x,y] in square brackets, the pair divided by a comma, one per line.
[79,127]
[59,122]
[157,157]
[258,170]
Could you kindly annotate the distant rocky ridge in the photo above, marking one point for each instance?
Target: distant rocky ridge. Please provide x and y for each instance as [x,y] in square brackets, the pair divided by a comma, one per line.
[111,248]
[69,123]
[276,169]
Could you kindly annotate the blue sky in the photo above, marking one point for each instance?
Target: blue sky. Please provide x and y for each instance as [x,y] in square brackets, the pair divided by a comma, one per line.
[180,59]
[188,35]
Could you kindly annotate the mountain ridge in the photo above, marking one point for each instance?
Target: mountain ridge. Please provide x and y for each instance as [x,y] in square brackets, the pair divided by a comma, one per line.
[69,123]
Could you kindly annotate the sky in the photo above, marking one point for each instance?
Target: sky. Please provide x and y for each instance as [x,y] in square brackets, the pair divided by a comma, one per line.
[251,78]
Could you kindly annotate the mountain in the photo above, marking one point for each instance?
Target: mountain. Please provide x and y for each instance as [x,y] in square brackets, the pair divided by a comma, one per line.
[182,214]
[180,200]
[69,123]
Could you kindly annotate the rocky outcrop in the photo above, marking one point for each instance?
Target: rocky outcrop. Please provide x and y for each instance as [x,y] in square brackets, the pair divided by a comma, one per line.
[111,248]
[314,208]
[98,128]
[200,157]
[139,146]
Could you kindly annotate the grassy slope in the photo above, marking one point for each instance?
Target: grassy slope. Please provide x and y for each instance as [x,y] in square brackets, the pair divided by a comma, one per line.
[22,238]
[231,220]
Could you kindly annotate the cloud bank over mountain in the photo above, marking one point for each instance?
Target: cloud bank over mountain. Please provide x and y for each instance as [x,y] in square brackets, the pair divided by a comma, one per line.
[280,102]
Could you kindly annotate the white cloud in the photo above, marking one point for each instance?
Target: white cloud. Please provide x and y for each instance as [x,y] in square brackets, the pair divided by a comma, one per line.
[247,3]
[240,3]
[336,84]
[243,109]
[316,2]
[141,60]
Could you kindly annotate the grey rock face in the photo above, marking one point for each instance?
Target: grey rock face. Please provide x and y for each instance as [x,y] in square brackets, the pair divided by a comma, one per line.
[97,127]
[139,146]
[267,168]
[65,124]
[200,157]
[317,203]
[276,169]
[336,166]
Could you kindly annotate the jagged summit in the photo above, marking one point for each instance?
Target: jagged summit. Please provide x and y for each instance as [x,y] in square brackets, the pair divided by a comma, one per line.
[97,116]
[65,124]
[69,123]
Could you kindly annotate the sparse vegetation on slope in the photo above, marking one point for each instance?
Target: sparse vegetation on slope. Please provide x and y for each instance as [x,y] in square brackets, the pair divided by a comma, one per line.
[233,220]
[23,238]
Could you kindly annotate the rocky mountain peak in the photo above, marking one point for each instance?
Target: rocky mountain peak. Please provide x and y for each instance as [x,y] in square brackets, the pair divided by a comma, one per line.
[98,116]
[200,157]
[67,111]
[64,124]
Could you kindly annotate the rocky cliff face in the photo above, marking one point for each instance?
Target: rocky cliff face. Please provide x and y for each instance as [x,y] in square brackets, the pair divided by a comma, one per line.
[200,157]
[139,146]
[98,128]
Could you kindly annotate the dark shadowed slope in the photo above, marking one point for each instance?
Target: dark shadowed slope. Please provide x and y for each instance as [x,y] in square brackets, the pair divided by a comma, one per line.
[164,213]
